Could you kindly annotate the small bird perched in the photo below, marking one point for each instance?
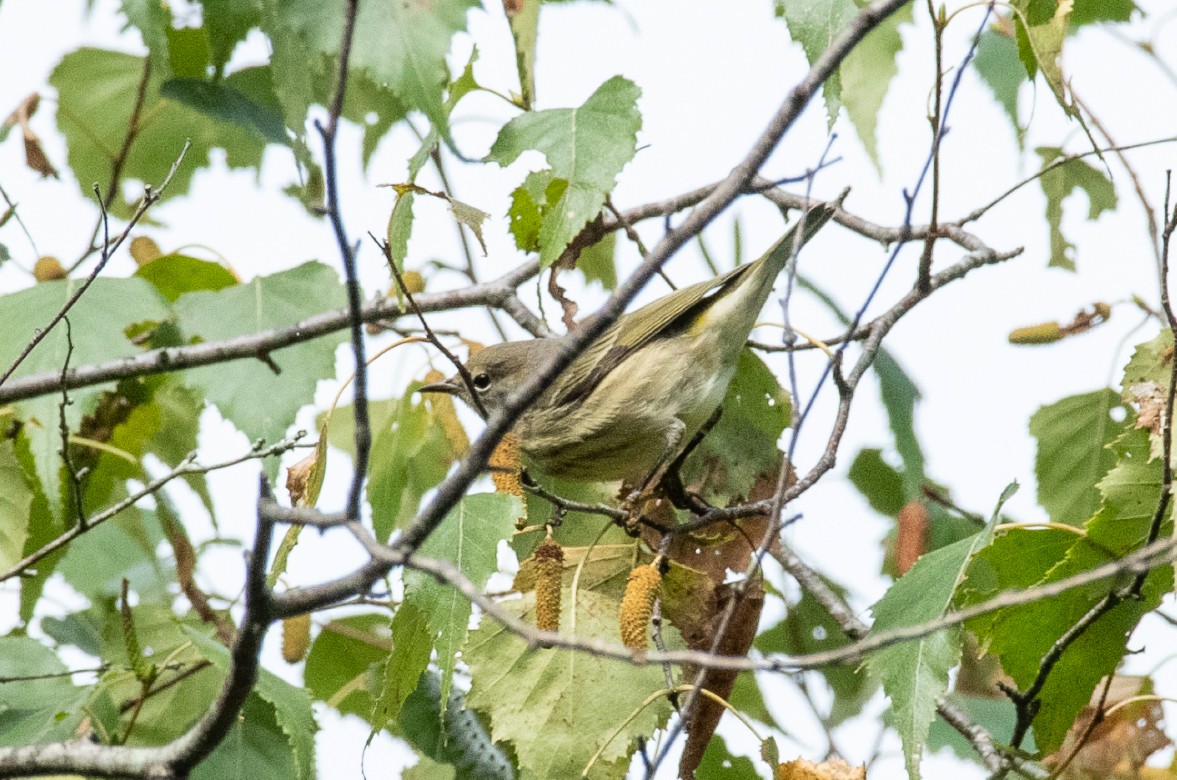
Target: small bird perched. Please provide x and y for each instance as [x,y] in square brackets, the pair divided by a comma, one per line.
[645,386]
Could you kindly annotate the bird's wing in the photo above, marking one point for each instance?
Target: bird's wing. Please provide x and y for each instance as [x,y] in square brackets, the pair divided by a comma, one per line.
[634,330]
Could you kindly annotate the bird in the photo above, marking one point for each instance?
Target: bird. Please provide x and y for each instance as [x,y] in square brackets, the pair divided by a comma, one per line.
[642,389]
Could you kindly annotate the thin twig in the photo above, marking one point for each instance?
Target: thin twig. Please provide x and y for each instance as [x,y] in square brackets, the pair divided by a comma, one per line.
[150,196]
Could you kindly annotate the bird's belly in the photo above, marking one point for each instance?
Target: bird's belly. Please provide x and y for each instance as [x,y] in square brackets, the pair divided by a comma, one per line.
[638,417]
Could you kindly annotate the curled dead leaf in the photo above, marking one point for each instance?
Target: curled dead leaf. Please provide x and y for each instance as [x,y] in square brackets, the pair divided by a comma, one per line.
[1125,734]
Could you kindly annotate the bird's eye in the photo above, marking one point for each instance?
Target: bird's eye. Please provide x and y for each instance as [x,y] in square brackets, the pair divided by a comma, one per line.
[481,381]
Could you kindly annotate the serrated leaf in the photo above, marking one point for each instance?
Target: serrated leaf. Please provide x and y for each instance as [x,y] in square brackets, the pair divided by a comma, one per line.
[98,323]
[1061,182]
[97,92]
[468,538]
[401,45]
[123,547]
[915,674]
[410,455]
[1021,636]
[411,645]
[291,712]
[866,75]
[400,227]
[255,746]
[587,146]
[815,25]
[16,503]
[451,734]
[259,402]
[555,708]
[997,63]
[36,711]
[1073,437]
[743,444]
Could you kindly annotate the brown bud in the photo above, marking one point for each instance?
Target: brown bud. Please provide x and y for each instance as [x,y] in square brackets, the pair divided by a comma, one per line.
[834,769]
[296,636]
[549,570]
[47,269]
[637,605]
[144,250]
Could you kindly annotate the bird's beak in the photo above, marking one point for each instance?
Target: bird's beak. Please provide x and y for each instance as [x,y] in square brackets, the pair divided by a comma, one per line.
[449,386]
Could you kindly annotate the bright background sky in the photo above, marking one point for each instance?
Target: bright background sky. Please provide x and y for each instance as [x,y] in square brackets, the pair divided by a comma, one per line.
[711,75]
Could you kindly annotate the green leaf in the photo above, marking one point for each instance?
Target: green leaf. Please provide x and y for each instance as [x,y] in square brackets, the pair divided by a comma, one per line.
[344,663]
[597,262]
[719,763]
[451,734]
[188,52]
[227,23]
[254,747]
[403,45]
[400,227]
[809,628]
[16,503]
[1096,11]
[880,485]
[998,65]
[523,17]
[411,645]
[743,444]
[125,546]
[994,715]
[587,146]
[1021,636]
[899,395]
[410,455]
[285,706]
[154,21]
[1061,182]
[468,538]
[1073,437]
[866,76]
[43,527]
[174,275]
[1041,28]
[259,402]
[36,711]
[98,322]
[97,92]
[915,674]
[556,708]
[815,25]
[220,101]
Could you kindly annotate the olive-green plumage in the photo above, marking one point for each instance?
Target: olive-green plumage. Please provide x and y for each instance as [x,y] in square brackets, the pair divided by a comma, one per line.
[646,385]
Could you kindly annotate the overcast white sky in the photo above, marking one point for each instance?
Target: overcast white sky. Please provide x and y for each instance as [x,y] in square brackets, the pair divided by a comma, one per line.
[711,74]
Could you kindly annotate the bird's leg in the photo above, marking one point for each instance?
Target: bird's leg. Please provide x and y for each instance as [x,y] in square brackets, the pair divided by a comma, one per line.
[672,478]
